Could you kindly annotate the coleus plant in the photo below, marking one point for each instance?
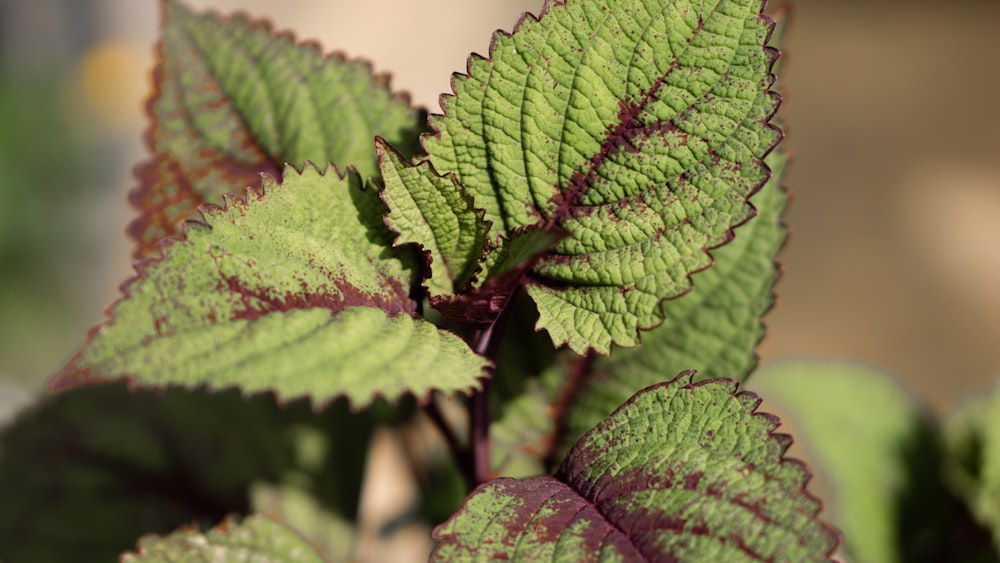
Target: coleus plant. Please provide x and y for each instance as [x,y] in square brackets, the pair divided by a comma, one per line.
[304,231]
[581,173]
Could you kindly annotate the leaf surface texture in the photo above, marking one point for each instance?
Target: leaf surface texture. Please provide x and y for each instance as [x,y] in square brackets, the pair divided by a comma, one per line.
[639,128]
[233,99]
[681,471]
[293,289]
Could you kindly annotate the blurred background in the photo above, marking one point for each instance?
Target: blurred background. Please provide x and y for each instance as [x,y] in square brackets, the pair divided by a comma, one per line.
[891,110]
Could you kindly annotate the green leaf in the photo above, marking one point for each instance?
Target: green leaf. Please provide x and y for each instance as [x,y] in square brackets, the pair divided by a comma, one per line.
[257,538]
[877,449]
[972,468]
[681,471]
[332,533]
[436,214]
[233,99]
[714,329]
[637,127]
[293,289]
[84,473]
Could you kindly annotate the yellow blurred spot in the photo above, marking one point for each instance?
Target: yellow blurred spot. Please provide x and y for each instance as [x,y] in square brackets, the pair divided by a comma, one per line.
[112,76]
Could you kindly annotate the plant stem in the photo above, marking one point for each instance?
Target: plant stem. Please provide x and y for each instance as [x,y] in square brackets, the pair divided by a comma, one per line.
[487,345]
[479,433]
[433,412]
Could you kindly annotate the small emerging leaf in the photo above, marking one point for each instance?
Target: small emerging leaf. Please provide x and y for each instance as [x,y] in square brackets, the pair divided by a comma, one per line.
[294,289]
[637,127]
[435,213]
[256,539]
[500,271]
[233,99]
[681,471]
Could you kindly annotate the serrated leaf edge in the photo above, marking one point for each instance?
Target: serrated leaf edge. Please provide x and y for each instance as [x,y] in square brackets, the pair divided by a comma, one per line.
[728,236]
[67,377]
[138,224]
[750,399]
[580,367]
[382,145]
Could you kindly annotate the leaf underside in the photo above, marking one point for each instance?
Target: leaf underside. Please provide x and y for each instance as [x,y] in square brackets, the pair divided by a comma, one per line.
[293,289]
[232,100]
[681,471]
[639,129]
[257,539]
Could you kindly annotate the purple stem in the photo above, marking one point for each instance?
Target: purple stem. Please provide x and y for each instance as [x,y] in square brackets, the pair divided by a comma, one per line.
[487,345]
[433,412]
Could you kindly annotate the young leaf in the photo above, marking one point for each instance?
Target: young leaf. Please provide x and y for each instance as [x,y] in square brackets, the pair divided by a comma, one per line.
[500,271]
[435,213]
[715,328]
[257,538]
[878,451]
[681,471]
[233,99]
[638,128]
[293,289]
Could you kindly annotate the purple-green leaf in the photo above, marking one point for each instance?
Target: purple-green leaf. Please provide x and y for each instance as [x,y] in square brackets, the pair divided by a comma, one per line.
[639,128]
[294,289]
[682,471]
[714,329]
[232,99]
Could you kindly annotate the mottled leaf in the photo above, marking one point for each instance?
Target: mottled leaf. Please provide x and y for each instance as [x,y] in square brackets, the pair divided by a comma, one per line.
[436,214]
[256,539]
[877,450]
[681,471]
[637,127]
[294,289]
[233,99]
[714,329]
